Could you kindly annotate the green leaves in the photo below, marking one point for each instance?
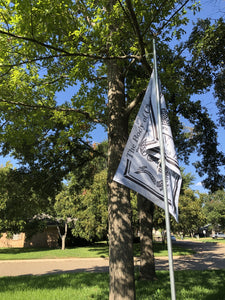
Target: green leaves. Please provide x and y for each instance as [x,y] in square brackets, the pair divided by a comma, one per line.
[191,215]
[92,215]
[19,200]
[215,209]
[83,199]
[206,44]
[66,46]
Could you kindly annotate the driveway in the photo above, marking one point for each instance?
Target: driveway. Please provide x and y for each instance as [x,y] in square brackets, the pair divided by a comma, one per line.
[208,256]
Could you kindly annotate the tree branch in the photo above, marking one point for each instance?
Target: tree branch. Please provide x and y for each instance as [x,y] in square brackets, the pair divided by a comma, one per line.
[59,232]
[55,108]
[33,40]
[63,52]
[154,17]
[168,21]
[55,80]
[135,25]
[136,100]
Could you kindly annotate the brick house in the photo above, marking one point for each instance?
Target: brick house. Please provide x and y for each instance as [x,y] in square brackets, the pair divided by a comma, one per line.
[46,239]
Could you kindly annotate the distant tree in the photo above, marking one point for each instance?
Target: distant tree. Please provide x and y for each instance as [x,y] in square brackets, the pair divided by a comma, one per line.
[187,180]
[19,201]
[214,208]
[82,204]
[91,209]
[63,213]
[191,214]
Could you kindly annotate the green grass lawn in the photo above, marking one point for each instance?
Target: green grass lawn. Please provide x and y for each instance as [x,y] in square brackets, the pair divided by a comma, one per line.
[191,285]
[96,250]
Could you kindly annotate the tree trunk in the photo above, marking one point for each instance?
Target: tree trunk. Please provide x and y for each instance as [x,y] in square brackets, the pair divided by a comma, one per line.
[63,236]
[147,260]
[163,233]
[121,265]
[63,242]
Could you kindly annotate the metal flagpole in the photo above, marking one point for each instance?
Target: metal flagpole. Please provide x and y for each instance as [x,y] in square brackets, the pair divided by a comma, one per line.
[169,243]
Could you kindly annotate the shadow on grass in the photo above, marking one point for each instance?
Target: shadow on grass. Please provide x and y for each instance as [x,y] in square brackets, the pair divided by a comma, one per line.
[22,250]
[192,285]
[101,249]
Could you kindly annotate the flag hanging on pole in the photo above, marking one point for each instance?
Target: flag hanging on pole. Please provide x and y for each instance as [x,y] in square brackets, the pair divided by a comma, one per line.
[140,165]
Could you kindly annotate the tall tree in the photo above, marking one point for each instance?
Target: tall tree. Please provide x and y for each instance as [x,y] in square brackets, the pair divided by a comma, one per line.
[93,47]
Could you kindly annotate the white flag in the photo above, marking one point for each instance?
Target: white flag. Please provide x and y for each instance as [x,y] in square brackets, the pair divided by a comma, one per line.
[140,167]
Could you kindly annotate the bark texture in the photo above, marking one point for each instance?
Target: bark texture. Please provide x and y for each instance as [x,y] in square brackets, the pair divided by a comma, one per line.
[121,265]
[147,260]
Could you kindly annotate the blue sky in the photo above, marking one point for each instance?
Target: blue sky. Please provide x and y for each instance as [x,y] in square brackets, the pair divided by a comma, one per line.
[210,9]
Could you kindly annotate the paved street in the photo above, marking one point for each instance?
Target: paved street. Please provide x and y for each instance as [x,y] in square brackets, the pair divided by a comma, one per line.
[208,256]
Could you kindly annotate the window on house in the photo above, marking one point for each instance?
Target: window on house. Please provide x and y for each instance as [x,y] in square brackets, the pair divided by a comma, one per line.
[17,237]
